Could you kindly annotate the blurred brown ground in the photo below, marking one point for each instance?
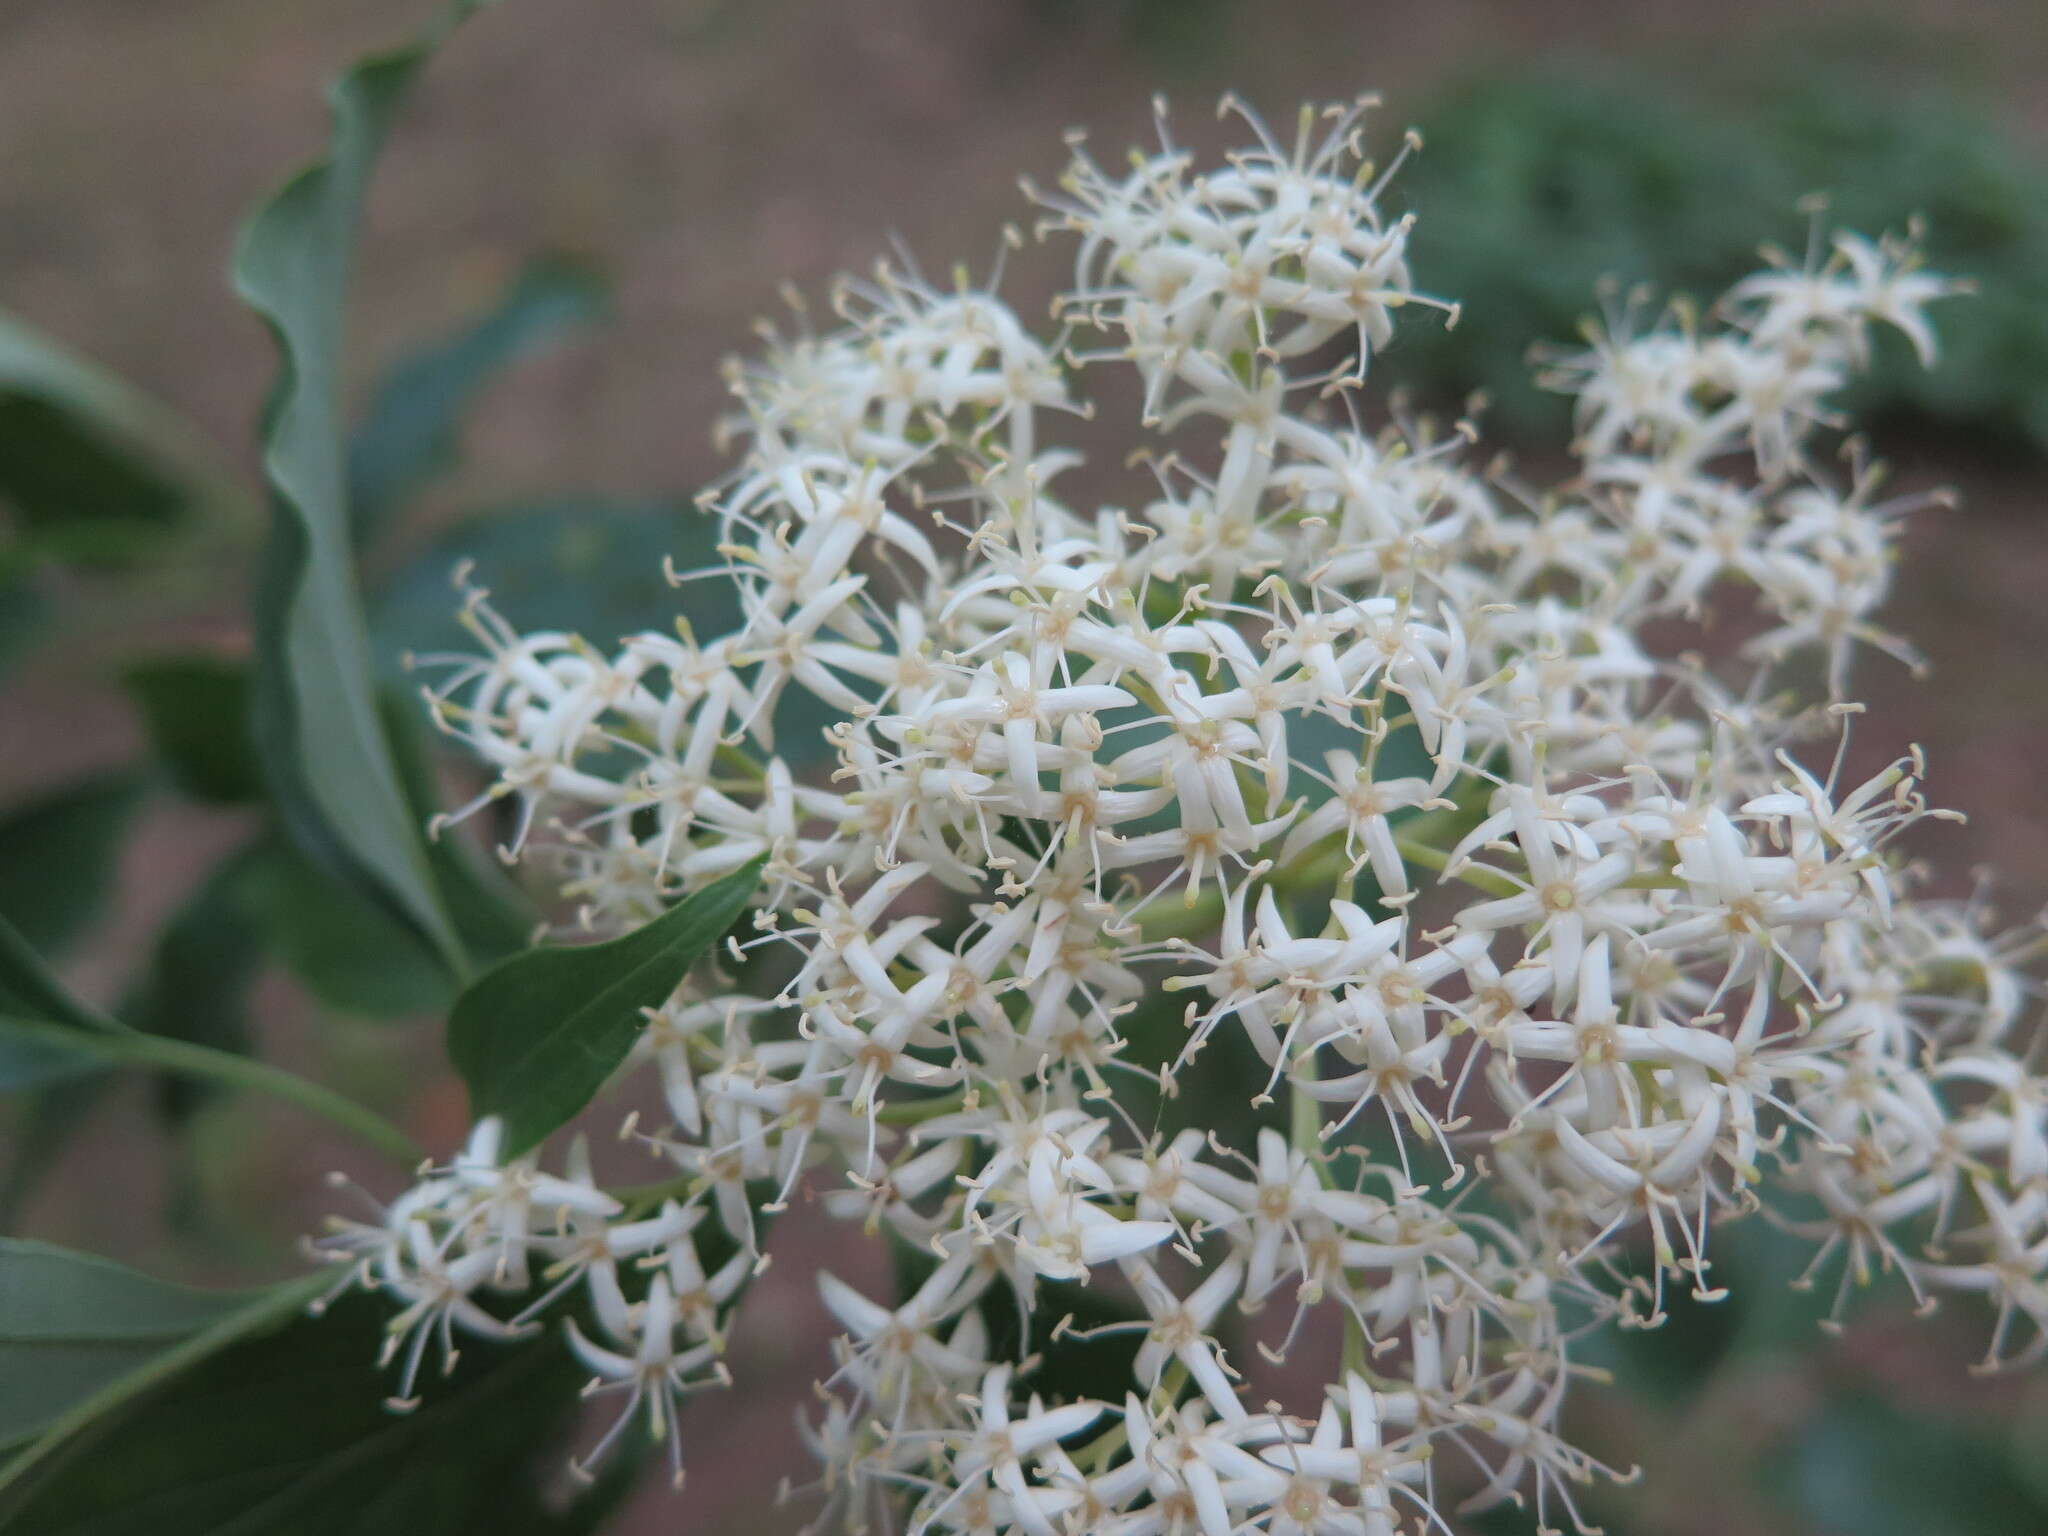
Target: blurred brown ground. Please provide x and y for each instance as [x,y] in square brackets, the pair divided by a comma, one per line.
[700,153]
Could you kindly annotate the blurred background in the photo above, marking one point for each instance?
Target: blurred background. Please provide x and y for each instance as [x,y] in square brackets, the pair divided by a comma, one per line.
[669,163]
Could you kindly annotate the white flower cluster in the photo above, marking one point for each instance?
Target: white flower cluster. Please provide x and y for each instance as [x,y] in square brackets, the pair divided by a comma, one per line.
[1316,884]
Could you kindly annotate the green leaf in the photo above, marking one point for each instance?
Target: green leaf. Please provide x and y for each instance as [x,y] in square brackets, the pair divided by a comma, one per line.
[74,494]
[64,1083]
[538,1035]
[1311,736]
[1673,187]
[27,984]
[1070,1363]
[24,615]
[73,1324]
[58,1111]
[120,1045]
[589,567]
[205,960]
[285,1434]
[1867,1468]
[60,1075]
[57,858]
[58,1036]
[410,431]
[1670,1365]
[90,468]
[350,953]
[317,726]
[1763,1316]
[353,954]
[196,709]
[491,914]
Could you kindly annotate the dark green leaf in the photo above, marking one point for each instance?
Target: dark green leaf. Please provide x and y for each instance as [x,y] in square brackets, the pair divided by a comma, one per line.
[24,614]
[1671,1364]
[2027,1448]
[72,1324]
[1867,1468]
[1209,1091]
[75,494]
[409,434]
[29,986]
[1762,1316]
[68,1082]
[537,1036]
[122,1045]
[285,1434]
[1311,736]
[588,567]
[45,1127]
[57,858]
[492,916]
[1673,188]
[350,953]
[196,987]
[196,708]
[1759,1263]
[317,726]
[90,468]
[353,954]
[1072,1365]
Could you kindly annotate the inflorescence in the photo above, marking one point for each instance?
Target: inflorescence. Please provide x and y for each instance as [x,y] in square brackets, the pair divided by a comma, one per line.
[1524,946]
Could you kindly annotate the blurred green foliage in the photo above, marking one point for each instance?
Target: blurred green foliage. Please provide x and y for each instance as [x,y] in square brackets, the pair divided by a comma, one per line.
[410,432]
[584,565]
[1867,1468]
[92,471]
[273,1434]
[58,854]
[1533,188]
[1178,36]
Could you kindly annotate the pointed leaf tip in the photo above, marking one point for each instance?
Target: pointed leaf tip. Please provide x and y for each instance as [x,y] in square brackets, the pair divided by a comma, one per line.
[538,1035]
